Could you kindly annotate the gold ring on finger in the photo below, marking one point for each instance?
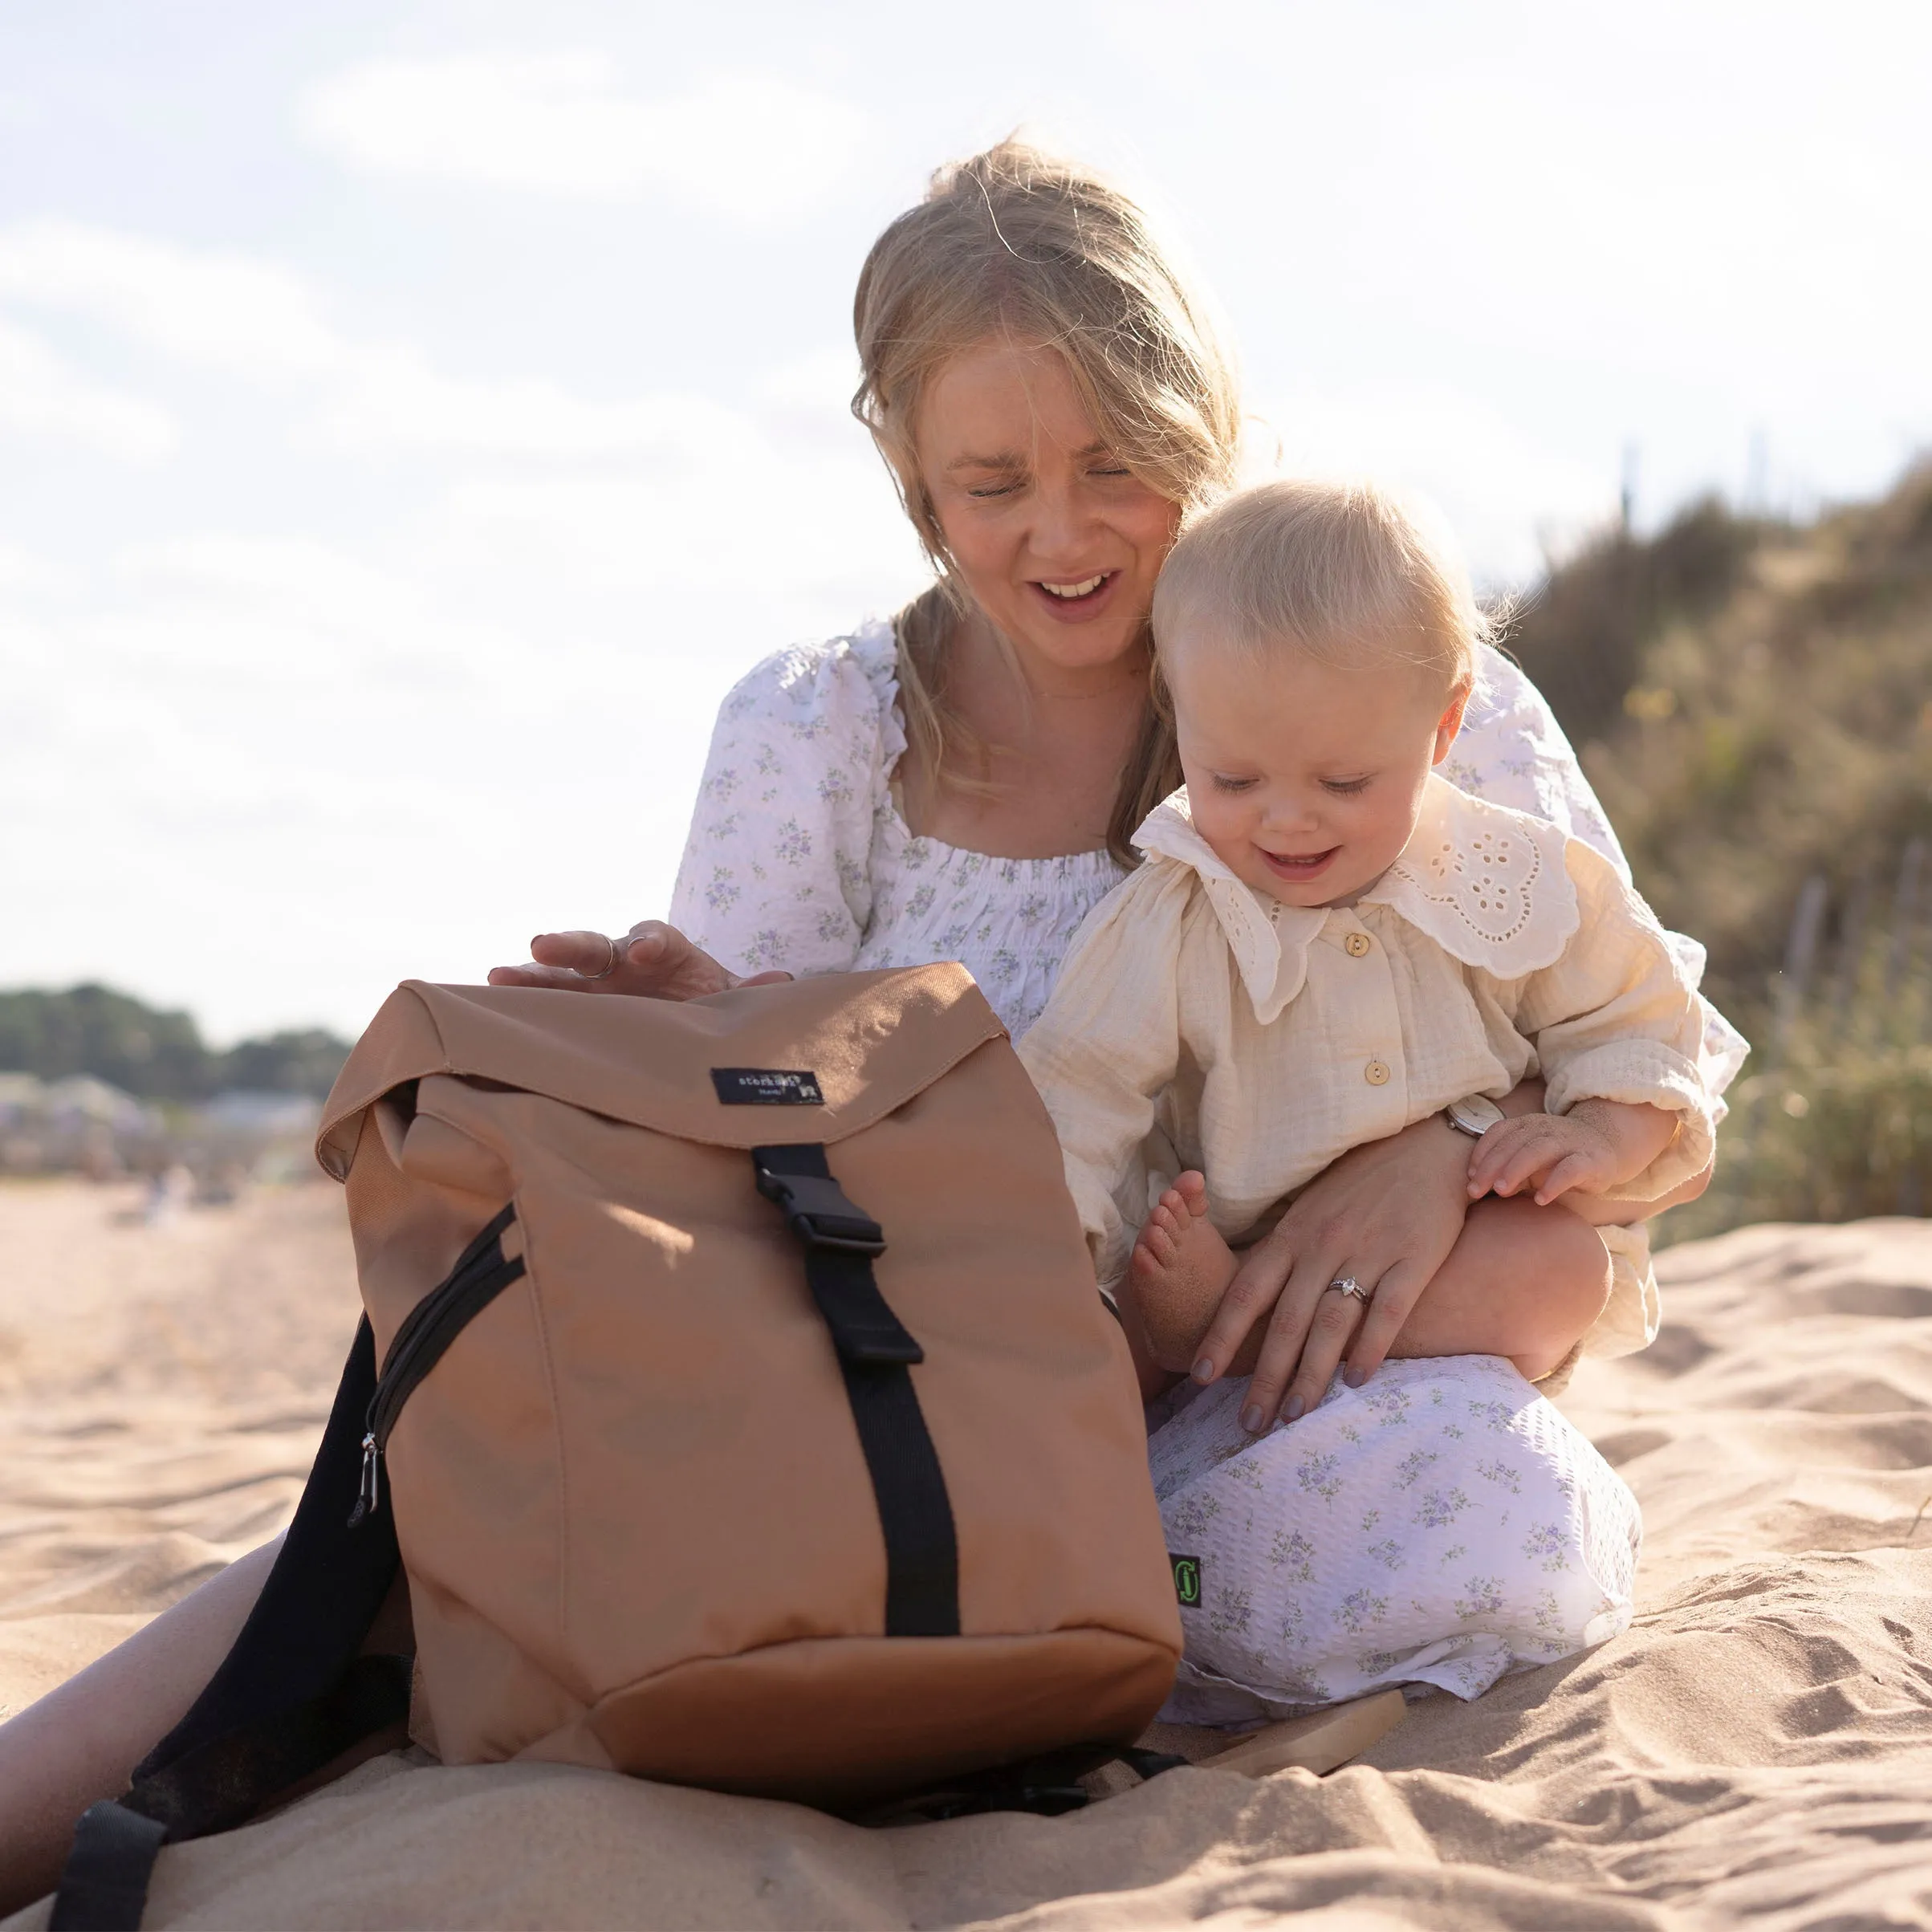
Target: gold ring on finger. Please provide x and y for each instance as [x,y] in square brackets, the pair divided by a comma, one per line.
[610,964]
[1346,1284]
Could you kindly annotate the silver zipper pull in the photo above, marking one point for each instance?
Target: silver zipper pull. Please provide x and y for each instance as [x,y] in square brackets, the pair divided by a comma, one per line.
[370,1500]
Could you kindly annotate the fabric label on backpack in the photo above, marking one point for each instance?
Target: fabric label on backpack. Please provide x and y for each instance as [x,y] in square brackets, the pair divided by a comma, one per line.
[766,1087]
[1187,1580]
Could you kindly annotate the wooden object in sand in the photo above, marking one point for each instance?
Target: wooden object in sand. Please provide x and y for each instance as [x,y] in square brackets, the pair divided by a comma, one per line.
[1322,1741]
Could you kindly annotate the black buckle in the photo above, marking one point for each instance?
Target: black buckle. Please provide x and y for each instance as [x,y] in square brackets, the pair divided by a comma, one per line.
[817,1211]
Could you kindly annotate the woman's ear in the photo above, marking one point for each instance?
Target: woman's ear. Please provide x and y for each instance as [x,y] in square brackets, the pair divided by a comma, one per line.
[1450,722]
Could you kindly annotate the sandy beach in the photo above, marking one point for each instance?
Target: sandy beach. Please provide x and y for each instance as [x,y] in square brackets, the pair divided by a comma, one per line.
[1756,1749]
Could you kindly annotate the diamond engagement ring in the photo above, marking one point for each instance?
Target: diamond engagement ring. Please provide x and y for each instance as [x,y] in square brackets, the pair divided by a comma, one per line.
[611,966]
[1349,1285]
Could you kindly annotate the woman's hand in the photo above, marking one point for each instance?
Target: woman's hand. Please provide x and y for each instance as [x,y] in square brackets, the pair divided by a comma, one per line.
[1386,1215]
[654,961]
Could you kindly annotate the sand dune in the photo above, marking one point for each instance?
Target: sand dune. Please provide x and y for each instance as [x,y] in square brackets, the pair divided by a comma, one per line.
[1757,1749]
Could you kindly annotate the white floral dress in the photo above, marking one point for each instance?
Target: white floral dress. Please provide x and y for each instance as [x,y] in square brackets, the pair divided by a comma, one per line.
[1440,1527]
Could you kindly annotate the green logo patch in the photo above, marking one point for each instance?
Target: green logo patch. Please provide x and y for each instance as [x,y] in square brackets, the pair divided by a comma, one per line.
[1187,1580]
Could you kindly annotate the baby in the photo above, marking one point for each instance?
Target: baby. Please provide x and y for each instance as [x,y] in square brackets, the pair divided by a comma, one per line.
[1329,941]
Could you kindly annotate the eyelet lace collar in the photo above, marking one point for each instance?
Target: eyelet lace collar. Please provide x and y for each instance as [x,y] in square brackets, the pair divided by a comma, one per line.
[1489,885]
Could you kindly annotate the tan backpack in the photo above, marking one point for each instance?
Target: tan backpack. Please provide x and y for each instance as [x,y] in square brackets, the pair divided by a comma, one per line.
[746,1416]
[707,1465]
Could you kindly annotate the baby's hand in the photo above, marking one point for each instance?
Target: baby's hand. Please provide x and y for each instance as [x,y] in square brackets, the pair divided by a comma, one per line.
[1557,1152]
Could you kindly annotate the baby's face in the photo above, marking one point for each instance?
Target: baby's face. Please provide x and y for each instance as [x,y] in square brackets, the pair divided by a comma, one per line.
[1305,779]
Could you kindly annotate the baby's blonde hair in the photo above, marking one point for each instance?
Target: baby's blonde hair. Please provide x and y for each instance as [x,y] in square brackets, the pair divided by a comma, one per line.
[1340,570]
[1017,245]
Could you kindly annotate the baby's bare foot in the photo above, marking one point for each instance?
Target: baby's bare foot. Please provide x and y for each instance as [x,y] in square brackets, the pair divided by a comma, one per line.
[1182,1267]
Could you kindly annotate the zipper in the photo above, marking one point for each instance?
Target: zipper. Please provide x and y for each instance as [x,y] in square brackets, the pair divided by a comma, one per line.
[480,1274]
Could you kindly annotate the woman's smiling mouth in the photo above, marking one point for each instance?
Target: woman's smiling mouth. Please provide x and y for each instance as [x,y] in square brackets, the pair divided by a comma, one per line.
[1076,596]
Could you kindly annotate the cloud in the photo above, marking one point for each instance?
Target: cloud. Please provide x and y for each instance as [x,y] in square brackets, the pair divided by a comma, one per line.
[224,311]
[266,325]
[1509,496]
[40,396]
[392,399]
[743,146]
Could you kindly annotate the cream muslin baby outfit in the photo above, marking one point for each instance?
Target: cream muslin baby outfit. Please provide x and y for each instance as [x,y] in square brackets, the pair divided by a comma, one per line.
[1263,1040]
[1444,1523]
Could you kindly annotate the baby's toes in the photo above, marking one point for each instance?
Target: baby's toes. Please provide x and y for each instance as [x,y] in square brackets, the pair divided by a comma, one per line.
[1154,1251]
[1192,1188]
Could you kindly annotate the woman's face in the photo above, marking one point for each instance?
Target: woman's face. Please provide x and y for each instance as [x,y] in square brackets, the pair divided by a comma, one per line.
[1058,543]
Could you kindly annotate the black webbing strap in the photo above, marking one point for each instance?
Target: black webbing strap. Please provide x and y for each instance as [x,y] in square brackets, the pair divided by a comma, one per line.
[104,1887]
[1049,1785]
[215,1787]
[290,1696]
[876,1356]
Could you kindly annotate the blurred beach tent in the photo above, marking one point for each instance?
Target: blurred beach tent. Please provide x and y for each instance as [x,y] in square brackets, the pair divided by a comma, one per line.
[82,1124]
[77,1125]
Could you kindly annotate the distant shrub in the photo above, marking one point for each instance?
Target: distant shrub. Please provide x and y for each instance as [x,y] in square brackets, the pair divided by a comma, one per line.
[152,1054]
[1753,701]
[1821,1142]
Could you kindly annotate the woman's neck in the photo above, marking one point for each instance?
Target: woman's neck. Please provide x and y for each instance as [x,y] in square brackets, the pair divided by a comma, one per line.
[1057,738]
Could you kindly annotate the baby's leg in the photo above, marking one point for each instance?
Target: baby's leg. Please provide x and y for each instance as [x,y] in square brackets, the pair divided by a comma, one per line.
[1181,1269]
[1523,1281]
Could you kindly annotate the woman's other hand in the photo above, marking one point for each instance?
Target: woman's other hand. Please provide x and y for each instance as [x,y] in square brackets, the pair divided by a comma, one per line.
[1384,1215]
[652,960]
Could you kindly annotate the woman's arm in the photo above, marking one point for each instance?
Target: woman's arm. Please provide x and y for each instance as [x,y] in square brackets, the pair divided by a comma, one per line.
[80,1741]
[1395,1215]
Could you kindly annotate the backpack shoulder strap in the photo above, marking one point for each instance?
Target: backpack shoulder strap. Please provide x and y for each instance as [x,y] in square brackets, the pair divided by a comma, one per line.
[291,1696]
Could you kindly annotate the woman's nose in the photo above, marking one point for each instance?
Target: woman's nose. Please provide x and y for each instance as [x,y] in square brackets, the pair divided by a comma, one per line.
[1063,522]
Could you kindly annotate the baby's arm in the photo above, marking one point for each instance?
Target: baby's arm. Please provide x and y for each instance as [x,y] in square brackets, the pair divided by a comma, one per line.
[1106,1046]
[1594,1148]
[1619,1035]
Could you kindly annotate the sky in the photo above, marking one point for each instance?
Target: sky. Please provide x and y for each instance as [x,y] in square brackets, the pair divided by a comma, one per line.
[414,417]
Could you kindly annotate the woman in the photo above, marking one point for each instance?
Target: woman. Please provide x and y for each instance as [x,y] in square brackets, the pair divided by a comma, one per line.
[962,784]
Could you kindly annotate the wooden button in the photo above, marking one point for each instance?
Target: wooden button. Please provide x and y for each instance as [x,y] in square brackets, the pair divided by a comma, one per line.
[1357,944]
[1376,1073]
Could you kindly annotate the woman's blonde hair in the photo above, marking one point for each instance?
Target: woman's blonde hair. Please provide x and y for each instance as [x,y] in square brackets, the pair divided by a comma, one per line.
[1017,245]
[1344,571]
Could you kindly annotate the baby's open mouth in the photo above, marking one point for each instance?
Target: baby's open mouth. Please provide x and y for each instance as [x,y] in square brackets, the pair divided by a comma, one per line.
[1296,865]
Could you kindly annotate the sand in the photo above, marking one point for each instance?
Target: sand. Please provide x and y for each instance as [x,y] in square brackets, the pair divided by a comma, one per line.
[1757,1749]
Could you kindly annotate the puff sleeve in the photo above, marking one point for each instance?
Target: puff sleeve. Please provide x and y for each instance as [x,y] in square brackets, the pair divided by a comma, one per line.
[1617,1018]
[777,870]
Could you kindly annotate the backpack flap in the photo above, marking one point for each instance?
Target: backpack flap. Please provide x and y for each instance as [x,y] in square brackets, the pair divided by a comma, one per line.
[726,1069]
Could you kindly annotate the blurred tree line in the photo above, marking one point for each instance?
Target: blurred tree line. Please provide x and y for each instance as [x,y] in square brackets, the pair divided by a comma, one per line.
[1752,698]
[153,1055]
